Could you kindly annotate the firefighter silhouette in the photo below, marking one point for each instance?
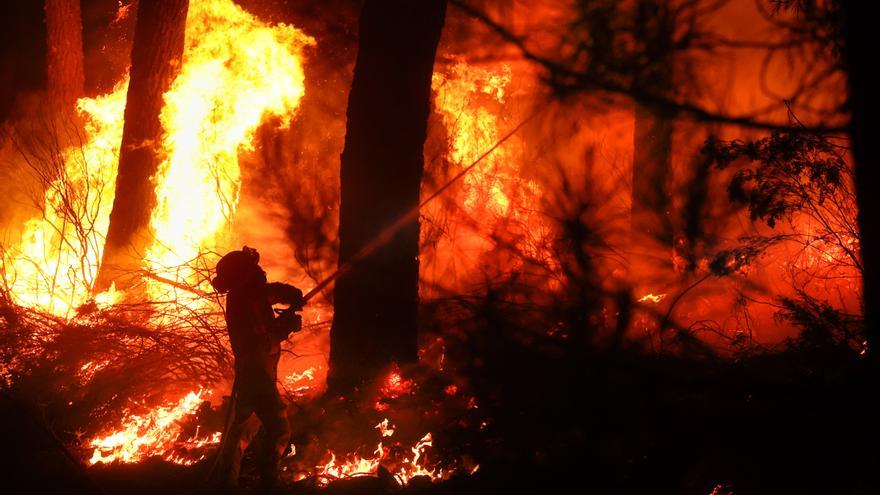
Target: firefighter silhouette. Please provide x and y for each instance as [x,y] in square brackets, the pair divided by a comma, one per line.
[255,333]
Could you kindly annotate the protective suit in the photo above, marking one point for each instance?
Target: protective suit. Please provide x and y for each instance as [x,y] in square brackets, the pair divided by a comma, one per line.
[256,335]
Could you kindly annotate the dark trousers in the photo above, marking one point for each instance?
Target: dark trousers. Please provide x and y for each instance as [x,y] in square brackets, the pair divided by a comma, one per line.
[257,401]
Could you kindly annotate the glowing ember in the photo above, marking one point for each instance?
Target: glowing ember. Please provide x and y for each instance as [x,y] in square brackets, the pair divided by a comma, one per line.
[384,428]
[153,434]
[652,298]
[395,385]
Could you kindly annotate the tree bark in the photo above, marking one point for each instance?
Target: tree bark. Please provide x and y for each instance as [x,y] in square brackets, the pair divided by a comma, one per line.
[66,76]
[376,301]
[652,136]
[156,56]
[861,45]
[22,55]
[652,156]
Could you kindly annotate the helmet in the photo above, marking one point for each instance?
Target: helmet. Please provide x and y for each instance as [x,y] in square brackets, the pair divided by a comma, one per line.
[238,269]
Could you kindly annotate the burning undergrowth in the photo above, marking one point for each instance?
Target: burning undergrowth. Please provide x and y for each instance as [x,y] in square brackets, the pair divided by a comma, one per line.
[96,376]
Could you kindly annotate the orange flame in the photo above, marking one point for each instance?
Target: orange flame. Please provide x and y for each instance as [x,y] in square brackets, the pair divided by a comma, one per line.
[151,434]
[354,465]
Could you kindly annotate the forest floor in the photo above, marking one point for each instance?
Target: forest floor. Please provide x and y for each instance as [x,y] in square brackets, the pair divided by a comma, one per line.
[793,421]
[788,422]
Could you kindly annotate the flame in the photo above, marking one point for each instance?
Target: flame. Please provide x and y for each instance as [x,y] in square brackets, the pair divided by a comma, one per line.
[653,298]
[407,468]
[122,12]
[237,72]
[394,385]
[465,97]
[384,428]
[54,265]
[308,374]
[474,105]
[151,434]
[293,380]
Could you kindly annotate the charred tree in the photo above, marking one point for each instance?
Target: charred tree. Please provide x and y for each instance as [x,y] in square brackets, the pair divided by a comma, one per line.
[652,136]
[156,56]
[375,302]
[652,150]
[64,33]
[860,48]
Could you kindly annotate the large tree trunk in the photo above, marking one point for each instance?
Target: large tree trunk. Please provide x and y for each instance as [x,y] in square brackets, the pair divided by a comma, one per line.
[861,45]
[156,57]
[375,303]
[652,156]
[653,130]
[65,74]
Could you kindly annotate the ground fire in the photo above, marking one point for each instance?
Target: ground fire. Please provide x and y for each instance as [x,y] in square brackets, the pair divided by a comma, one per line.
[465,246]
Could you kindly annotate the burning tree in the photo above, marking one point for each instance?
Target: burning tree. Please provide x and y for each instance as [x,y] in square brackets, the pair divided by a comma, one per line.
[66,76]
[155,62]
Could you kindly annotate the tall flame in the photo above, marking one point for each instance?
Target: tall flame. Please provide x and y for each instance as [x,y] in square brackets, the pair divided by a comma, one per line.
[237,72]
[55,263]
[465,98]
[473,102]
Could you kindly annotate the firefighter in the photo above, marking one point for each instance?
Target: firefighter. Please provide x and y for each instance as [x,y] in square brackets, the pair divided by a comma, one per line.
[255,333]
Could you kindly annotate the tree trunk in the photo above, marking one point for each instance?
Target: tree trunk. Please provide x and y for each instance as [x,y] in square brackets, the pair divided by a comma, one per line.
[861,45]
[652,150]
[156,56]
[652,136]
[66,77]
[376,302]
[22,55]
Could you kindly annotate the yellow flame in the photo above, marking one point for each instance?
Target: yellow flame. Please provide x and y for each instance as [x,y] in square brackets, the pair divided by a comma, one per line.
[354,465]
[154,433]
[54,265]
[473,103]
[237,72]
[385,428]
[653,298]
